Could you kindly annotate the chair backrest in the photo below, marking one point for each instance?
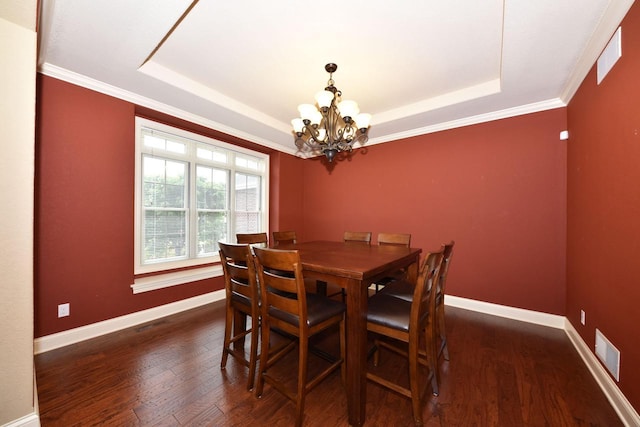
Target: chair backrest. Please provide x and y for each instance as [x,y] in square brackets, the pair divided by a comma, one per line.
[239,273]
[252,238]
[424,295]
[447,250]
[396,239]
[283,237]
[282,291]
[358,237]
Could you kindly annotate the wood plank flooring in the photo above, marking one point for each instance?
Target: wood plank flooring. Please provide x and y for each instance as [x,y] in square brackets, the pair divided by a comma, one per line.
[167,373]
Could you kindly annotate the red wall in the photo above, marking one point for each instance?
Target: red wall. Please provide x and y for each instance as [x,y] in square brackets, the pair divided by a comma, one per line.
[498,189]
[603,243]
[85,208]
[285,193]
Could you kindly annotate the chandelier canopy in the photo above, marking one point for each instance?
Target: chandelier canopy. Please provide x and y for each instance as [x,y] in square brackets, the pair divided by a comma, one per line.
[332,125]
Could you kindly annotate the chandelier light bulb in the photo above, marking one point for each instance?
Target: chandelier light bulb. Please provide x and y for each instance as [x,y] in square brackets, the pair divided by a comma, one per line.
[363,120]
[307,111]
[324,98]
[316,118]
[298,125]
[348,108]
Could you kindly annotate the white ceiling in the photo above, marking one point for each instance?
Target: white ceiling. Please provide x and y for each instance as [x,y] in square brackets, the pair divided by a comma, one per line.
[243,67]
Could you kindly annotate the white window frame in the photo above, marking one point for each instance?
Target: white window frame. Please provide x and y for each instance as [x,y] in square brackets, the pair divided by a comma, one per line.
[193,141]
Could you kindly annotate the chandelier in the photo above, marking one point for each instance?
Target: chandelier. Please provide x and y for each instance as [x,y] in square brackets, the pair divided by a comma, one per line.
[331,127]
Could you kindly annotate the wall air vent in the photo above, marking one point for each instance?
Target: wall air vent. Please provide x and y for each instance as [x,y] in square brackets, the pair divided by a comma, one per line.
[608,354]
[610,55]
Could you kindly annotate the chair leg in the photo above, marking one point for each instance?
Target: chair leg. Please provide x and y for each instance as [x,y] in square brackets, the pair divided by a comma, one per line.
[343,355]
[253,352]
[227,336]
[302,380]
[264,356]
[432,358]
[413,381]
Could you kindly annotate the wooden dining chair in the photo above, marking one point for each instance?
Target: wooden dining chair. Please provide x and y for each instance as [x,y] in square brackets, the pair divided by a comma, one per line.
[287,238]
[352,237]
[242,297]
[404,290]
[253,238]
[358,237]
[286,307]
[408,322]
[283,238]
[392,239]
[397,239]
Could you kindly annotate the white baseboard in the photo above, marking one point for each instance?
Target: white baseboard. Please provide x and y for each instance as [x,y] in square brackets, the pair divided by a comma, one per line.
[31,420]
[72,336]
[626,412]
[530,316]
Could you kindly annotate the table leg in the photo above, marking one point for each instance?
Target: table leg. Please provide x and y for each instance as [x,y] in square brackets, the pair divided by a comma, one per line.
[412,270]
[356,354]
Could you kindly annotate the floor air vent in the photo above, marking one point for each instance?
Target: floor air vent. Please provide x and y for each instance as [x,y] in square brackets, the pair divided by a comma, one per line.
[608,354]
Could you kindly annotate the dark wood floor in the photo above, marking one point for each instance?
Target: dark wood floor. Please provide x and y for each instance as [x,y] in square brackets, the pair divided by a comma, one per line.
[167,373]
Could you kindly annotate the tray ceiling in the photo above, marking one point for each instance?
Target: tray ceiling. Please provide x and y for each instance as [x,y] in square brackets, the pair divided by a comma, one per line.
[243,67]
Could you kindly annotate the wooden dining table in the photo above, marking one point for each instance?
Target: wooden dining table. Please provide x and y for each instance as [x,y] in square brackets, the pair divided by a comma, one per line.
[354,267]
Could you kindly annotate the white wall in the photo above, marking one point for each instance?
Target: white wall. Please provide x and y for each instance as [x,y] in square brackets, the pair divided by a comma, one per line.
[18,45]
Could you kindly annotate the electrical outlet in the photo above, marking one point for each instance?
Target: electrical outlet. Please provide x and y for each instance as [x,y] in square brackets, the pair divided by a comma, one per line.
[583,317]
[63,310]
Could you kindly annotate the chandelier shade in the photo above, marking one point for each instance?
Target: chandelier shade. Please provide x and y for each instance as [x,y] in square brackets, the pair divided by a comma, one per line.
[332,125]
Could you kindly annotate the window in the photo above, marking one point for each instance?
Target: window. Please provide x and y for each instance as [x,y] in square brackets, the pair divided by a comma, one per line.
[191,192]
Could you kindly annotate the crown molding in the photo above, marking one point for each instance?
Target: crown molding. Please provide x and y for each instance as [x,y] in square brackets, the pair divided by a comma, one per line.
[101,87]
[473,120]
[107,89]
[607,25]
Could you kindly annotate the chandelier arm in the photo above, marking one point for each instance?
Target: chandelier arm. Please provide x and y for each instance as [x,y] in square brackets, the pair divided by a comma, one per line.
[337,131]
[313,143]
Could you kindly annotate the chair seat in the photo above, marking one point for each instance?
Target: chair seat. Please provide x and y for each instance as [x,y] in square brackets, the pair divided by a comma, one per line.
[319,309]
[389,311]
[400,289]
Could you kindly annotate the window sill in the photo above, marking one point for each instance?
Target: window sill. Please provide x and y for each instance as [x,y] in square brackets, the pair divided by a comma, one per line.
[161,281]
